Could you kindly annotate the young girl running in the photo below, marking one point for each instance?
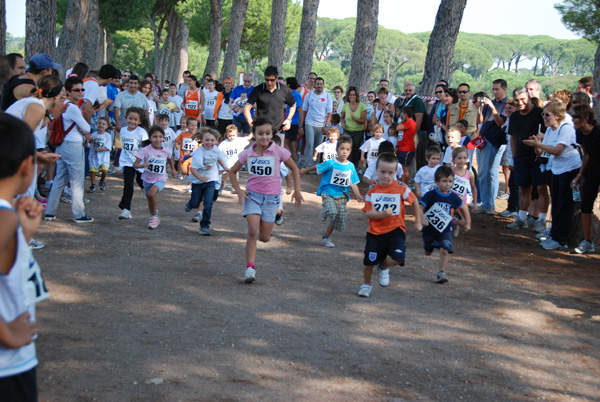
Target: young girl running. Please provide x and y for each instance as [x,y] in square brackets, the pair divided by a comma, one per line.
[263,189]
[100,154]
[153,159]
[131,136]
[464,183]
[370,149]
[338,176]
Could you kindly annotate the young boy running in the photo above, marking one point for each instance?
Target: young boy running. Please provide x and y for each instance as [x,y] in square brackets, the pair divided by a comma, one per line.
[438,206]
[384,206]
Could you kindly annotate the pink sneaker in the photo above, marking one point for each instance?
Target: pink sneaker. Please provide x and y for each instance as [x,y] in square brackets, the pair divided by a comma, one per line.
[153,222]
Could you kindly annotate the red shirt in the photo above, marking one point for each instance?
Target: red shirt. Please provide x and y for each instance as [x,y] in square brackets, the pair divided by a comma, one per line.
[407,142]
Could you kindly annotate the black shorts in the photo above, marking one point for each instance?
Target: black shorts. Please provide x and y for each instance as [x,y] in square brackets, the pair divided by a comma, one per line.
[440,240]
[405,157]
[292,133]
[20,387]
[378,247]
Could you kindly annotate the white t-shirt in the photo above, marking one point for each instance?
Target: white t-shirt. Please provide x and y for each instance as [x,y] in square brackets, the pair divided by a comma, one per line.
[569,159]
[371,172]
[152,109]
[169,141]
[175,117]
[210,99]
[205,161]
[426,178]
[371,147]
[317,107]
[132,142]
[73,115]
[328,149]
[231,149]
[91,90]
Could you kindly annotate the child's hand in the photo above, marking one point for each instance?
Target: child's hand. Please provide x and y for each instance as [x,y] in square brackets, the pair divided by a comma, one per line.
[243,195]
[388,212]
[146,164]
[30,215]
[418,226]
[360,198]
[299,199]
[419,195]
[20,332]
[203,178]
[288,191]
[314,158]
[425,222]
[174,173]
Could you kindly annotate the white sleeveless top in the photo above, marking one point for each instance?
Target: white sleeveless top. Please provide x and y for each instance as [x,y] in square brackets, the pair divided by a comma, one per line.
[18,108]
[20,290]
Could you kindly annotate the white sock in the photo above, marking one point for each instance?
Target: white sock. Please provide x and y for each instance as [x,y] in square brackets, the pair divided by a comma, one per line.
[522,215]
[542,217]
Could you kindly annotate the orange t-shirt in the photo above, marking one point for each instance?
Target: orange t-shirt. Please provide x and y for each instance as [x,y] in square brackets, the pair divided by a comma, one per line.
[380,198]
[186,144]
[192,103]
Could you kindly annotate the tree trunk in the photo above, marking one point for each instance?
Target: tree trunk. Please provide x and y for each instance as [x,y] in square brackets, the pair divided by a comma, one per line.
[94,50]
[596,85]
[536,64]
[517,59]
[306,43]
[364,45]
[236,27]
[110,48]
[214,49]
[277,36]
[3,27]
[441,44]
[72,41]
[181,48]
[40,28]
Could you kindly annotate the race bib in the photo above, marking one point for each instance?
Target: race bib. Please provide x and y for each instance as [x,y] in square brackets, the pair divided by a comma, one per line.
[167,137]
[263,166]
[98,144]
[329,156]
[188,144]
[545,154]
[400,135]
[34,287]
[192,105]
[130,144]
[438,217]
[157,165]
[341,177]
[230,152]
[381,202]
[210,102]
[461,186]
[373,154]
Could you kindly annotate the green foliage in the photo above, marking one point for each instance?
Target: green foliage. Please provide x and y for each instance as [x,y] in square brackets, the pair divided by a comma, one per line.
[14,44]
[582,17]
[133,49]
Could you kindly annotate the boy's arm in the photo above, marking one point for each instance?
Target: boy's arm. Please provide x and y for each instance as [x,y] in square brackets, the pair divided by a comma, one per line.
[297,192]
[303,171]
[418,191]
[464,209]
[222,163]
[368,181]
[372,214]
[418,215]
[17,333]
[195,173]
[315,155]
[30,215]
[424,221]
[356,192]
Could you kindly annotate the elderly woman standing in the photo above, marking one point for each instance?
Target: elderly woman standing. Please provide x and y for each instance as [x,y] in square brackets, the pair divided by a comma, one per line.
[354,116]
[564,163]
[588,136]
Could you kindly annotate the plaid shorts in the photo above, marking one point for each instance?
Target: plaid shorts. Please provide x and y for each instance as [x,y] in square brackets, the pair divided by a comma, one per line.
[336,210]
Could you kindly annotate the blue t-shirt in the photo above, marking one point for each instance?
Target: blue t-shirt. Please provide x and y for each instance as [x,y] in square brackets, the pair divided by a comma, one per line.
[295,120]
[336,178]
[438,207]
[237,91]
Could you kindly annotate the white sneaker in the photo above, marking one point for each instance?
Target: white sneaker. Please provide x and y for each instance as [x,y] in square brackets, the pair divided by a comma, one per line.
[539,226]
[585,247]
[518,224]
[543,235]
[384,276]
[326,241]
[37,245]
[125,214]
[365,290]
[249,275]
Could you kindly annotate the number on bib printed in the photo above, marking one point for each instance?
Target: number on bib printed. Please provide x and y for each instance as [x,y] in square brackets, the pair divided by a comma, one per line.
[263,166]
[374,154]
[98,144]
[381,202]
[188,144]
[438,217]
[167,137]
[157,165]
[400,135]
[461,186]
[192,105]
[341,177]
[130,144]
[34,287]
[210,102]
[329,156]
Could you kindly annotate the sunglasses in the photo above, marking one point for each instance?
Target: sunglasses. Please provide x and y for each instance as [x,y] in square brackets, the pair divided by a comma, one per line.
[575,116]
[78,90]
[545,114]
[439,92]
[463,92]
[270,79]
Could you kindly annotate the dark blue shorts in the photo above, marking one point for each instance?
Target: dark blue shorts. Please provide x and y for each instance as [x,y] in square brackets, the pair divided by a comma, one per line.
[378,247]
[405,157]
[527,173]
[441,240]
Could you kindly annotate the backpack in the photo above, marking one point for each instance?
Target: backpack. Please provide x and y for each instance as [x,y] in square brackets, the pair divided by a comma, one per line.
[56,130]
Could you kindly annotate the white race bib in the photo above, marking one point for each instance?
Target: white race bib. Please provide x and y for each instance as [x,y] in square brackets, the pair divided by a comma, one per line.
[192,105]
[210,102]
[263,166]
[34,287]
[168,137]
[188,144]
[98,144]
[373,154]
[341,177]
[545,154]
[382,201]
[130,144]
[157,165]
[329,156]
[438,217]
[461,186]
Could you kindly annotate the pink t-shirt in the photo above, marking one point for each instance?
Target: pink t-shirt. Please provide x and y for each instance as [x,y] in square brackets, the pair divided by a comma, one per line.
[159,159]
[264,169]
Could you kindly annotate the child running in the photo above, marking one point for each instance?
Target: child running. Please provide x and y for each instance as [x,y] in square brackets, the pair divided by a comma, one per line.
[370,176]
[232,146]
[153,159]
[169,140]
[99,158]
[328,148]
[386,235]
[21,281]
[338,176]
[186,145]
[204,175]
[132,137]
[438,206]
[463,185]
[263,188]
[425,177]
[370,148]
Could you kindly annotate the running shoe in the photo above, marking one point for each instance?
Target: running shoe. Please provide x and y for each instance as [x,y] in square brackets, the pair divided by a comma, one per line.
[551,244]
[249,275]
[365,290]
[384,276]
[539,226]
[585,246]
[197,217]
[205,232]
[102,185]
[326,241]
[125,214]
[153,222]
[36,244]
[441,277]
[92,188]
[49,217]
[279,219]
[507,214]
[84,219]
[518,224]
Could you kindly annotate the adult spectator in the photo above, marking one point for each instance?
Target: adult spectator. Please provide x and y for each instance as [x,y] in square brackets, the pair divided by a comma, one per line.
[338,94]
[20,86]
[381,107]
[269,100]
[464,109]
[17,64]
[489,157]
[80,70]
[383,83]
[317,106]
[353,118]
[564,162]
[291,136]
[534,89]
[183,86]
[246,87]
[193,100]
[71,165]
[147,91]
[588,136]
[585,85]
[450,96]
[524,123]
[309,85]
[512,207]
[92,86]
[223,113]
[126,99]
[434,132]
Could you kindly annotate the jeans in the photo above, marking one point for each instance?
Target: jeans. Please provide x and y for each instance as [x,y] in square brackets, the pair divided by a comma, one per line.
[313,136]
[562,205]
[241,124]
[488,162]
[69,167]
[129,174]
[203,192]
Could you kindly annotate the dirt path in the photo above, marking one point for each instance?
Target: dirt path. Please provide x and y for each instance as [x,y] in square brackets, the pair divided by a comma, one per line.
[131,307]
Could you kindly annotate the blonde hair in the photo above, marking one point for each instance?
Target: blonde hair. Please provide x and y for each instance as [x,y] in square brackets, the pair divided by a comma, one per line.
[376,127]
[333,130]
[557,108]
[453,131]
[199,135]
[230,128]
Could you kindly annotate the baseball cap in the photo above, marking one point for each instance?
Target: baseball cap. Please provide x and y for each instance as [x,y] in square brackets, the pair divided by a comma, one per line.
[43,61]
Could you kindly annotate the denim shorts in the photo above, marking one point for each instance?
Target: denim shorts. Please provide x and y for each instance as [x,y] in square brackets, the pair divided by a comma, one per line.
[265,205]
[148,186]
